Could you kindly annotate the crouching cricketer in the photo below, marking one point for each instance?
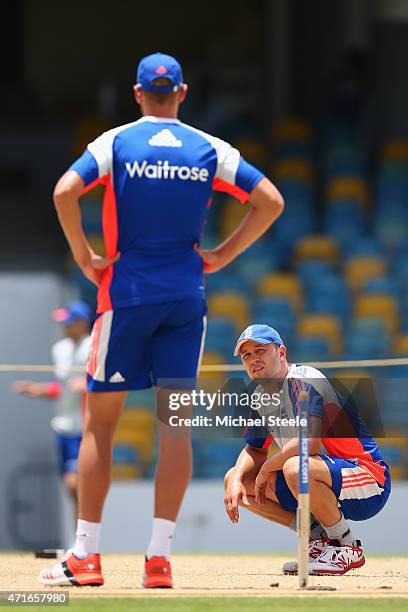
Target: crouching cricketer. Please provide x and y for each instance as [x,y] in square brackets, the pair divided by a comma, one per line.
[348,476]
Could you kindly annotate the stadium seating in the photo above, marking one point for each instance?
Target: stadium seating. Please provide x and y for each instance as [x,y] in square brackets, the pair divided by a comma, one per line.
[359,270]
[230,304]
[284,285]
[327,327]
[380,306]
[231,215]
[137,429]
[349,187]
[400,345]
[331,275]
[253,150]
[310,349]
[316,247]
[292,129]
[293,168]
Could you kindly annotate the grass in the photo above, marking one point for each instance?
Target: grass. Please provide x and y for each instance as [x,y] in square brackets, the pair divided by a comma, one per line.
[232,604]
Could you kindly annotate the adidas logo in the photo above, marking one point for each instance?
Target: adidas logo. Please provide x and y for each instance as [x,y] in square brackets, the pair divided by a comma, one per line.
[165,138]
[116,378]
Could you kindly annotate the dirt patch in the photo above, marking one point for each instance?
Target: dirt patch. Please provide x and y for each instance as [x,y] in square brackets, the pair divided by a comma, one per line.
[215,575]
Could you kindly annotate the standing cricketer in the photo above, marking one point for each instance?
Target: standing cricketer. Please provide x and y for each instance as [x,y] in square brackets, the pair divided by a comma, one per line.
[159,175]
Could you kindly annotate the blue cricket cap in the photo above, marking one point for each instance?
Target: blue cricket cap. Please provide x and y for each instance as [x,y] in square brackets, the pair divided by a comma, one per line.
[263,334]
[159,65]
[74,311]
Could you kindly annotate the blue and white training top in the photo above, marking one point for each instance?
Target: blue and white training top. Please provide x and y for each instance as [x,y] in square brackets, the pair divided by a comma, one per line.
[159,175]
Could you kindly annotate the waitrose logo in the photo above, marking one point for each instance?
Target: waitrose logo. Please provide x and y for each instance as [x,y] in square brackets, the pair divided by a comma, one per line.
[163,170]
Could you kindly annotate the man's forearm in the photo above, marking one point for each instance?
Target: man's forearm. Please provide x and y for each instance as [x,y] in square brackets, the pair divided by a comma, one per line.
[66,200]
[246,461]
[290,449]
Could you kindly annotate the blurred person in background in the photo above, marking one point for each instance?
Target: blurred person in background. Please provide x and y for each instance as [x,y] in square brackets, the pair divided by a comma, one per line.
[68,391]
[159,174]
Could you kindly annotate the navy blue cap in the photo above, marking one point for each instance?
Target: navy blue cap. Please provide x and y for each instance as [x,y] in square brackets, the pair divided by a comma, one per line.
[159,65]
[74,311]
[262,334]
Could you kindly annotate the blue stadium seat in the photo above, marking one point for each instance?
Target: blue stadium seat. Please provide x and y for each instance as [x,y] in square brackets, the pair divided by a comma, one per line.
[225,280]
[213,458]
[385,284]
[251,268]
[325,303]
[345,221]
[363,346]
[312,270]
[296,189]
[277,312]
[365,246]
[294,149]
[125,455]
[296,222]
[310,349]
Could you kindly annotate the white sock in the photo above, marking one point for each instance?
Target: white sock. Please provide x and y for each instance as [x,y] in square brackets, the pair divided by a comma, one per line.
[87,539]
[340,531]
[160,543]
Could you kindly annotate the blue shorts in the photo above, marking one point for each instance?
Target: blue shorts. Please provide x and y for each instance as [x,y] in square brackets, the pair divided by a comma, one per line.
[68,450]
[359,495]
[147,345]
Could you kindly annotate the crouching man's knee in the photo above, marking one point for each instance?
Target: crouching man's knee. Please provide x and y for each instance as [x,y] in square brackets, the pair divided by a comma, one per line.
[291,472]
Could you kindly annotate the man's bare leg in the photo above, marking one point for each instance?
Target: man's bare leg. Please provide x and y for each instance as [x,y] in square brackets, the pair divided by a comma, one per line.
[95,455]
[173,473]
[323,502]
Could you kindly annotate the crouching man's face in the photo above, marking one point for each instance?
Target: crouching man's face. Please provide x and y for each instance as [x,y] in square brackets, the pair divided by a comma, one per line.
[262,361]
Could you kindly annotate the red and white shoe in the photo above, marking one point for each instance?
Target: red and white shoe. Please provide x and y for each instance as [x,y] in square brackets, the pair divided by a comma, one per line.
[71,571]
[336,560]
[157,573]
[316,547]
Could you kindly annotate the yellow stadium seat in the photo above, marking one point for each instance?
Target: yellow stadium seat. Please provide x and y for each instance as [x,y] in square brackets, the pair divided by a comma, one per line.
[212,358]
[230,304]
[253,150]
[292,129]
[293,168]
[323,326]
[282,284]
[395,150]
[349,187]
[381,306]
[401,344]
[97,244]
[317,246]
[125,472]
[232,213]
[137,428]
[359,270]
